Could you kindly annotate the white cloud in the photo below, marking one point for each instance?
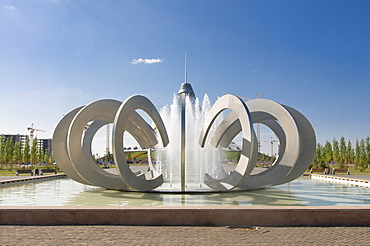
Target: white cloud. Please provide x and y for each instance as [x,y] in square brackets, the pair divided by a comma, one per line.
[10,7]
[146,61]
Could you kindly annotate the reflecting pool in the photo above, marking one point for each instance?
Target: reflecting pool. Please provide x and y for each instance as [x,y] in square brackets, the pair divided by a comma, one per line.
[301,192]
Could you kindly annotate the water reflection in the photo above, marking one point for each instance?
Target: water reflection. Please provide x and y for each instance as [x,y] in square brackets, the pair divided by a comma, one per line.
[301,192]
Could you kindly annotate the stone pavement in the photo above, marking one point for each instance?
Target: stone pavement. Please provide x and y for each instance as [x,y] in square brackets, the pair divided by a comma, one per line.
[182,235]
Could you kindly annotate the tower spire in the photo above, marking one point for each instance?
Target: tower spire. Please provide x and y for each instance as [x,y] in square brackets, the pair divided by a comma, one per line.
[186,72]
[185,87]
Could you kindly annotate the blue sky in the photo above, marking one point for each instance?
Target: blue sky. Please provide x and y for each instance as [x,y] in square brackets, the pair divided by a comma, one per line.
[56,55]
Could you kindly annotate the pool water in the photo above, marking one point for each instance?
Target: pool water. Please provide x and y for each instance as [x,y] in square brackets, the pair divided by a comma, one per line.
[301,192]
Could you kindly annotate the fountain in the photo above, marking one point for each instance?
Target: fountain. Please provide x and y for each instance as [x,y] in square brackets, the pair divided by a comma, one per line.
[187,139]
[187,161]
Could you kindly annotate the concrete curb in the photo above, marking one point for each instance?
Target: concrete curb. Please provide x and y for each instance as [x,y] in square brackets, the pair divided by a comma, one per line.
[194,216]
[348,180]
[29,179]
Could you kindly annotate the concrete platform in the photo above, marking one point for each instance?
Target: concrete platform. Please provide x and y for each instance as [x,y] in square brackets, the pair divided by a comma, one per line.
[189,216]
[14,180]
[357,180]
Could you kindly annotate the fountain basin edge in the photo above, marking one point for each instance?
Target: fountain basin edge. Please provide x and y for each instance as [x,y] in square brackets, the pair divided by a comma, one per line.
[188,216]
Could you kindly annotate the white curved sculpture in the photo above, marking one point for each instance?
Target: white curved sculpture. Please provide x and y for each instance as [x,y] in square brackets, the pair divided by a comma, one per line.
[123,113]
[245,166]
[75,158]
[297,141]
[72,148]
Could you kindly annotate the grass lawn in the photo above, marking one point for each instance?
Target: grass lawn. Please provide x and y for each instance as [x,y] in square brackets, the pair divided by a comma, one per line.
[7,172]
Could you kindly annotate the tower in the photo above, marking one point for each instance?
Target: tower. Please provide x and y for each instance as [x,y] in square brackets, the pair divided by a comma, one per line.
[185,90]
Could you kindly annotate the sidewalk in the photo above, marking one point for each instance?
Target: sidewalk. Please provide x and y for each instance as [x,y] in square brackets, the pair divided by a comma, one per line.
[183,235]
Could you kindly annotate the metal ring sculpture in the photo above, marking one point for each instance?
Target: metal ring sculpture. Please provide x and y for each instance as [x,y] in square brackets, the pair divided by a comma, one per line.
[75,158]
[297,143]
[72,148]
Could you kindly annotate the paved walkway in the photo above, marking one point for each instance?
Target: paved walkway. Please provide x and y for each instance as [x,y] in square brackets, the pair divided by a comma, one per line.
[174,235]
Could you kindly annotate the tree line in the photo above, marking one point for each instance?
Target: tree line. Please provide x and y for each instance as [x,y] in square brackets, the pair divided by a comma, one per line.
[342,153]
[12,153]
[339,153]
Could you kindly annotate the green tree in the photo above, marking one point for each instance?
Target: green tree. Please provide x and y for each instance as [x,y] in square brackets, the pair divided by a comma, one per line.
[50,159]
[109,157]
[367,149]
[350,153]
[2,148]
[26,151]
[319,160]
[328,152]
[46,155]
[33,151]
[343,152]
[262,158]
[357,151]
[40,154]
[17,153]
[361,156]
[336,153]
[9,148]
